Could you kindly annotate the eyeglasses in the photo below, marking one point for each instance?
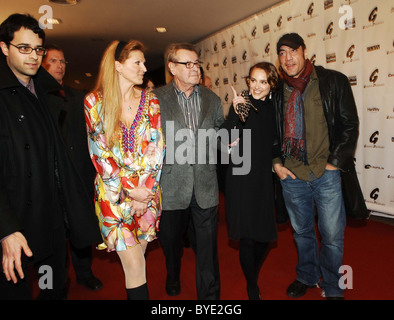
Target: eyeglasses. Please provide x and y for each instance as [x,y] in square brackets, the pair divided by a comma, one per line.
[189,64]
[41,51]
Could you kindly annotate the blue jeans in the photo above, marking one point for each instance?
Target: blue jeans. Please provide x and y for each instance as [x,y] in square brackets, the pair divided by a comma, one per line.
[301,199]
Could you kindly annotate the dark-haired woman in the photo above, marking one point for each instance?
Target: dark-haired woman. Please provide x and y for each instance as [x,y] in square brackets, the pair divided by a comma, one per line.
[249,193]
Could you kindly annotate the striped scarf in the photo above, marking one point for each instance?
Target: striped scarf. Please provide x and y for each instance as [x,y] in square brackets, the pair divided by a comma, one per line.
[294,142]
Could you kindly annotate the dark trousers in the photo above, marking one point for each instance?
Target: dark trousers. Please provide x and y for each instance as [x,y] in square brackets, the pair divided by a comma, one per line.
[53,272]
[81,259]
[173,225]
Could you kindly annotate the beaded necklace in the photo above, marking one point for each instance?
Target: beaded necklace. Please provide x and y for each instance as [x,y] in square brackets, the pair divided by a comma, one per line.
[128,134]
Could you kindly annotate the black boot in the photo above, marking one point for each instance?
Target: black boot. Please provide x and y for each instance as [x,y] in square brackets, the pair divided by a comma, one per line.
[251,255]
[253,292]
[138,293]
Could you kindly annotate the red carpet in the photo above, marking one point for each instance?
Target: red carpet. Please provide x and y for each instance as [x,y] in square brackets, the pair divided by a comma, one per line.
[369,250]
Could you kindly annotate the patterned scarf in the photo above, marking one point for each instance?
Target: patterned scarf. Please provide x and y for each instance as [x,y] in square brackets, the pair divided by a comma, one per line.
[294,143]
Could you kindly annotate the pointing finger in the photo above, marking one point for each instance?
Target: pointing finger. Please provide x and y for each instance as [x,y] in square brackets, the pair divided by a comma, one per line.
[234,92]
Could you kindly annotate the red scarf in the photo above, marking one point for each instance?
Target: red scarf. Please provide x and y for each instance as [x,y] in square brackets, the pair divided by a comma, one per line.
[294,142]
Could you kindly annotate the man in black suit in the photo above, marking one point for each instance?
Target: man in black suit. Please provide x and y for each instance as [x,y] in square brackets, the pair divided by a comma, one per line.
[41,195]
[71,121]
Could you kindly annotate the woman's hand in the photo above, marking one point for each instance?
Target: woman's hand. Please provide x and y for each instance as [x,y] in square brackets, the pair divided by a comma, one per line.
[138,208]
[142,194]
[236,100]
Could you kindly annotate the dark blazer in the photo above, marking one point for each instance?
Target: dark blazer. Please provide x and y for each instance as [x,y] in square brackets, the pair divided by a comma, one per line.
[178,181]
[76,170]
[71,121]
[32,153]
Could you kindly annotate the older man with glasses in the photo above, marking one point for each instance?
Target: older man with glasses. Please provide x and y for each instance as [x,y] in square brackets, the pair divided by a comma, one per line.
[190,188]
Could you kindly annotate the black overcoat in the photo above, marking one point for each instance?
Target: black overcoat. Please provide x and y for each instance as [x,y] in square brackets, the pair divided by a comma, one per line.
[32,153]
[249,195]
[70,117]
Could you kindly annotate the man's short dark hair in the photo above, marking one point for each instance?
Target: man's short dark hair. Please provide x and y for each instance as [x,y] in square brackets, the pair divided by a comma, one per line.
[17,21]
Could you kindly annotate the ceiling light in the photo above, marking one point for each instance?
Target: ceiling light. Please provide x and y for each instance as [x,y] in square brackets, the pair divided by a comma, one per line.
[65,2]
[54,21]
[88,74]
[161,29]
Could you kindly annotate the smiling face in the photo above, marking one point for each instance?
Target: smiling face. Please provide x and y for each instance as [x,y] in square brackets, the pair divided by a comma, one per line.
[24,66]
[133,68]
[258,84]
[292,60]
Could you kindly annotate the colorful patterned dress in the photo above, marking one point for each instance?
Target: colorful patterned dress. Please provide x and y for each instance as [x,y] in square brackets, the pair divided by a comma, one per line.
[135,160]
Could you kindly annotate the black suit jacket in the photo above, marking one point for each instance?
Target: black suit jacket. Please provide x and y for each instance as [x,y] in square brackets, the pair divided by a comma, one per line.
[31,153]
[73,128]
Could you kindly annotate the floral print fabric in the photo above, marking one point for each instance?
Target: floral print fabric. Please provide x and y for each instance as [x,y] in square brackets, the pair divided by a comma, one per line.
[135,160]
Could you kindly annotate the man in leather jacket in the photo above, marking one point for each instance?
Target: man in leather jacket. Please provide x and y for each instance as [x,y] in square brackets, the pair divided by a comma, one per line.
[317,128]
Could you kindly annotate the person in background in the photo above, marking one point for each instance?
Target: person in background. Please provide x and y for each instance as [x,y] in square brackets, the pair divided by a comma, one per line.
[42,198]
[205,80]
[148,84]
[71,120]
[317,126]
[249,198]
[190,189]
[127,148]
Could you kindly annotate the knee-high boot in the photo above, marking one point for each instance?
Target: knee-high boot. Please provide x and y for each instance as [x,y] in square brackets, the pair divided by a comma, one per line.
[138,293]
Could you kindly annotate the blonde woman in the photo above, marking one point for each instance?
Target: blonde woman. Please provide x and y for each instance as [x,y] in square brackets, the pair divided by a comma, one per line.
[127,147]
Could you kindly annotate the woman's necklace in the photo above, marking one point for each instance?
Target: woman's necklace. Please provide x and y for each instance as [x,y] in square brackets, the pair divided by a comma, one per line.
[134,98]
[129,132]
[129,110]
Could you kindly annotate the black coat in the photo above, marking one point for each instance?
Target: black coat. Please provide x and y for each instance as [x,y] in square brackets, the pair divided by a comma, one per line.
[70,117]
[249,196]
[31,152]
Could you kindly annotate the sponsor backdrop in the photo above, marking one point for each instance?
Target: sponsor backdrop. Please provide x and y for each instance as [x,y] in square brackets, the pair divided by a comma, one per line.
[352,36]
